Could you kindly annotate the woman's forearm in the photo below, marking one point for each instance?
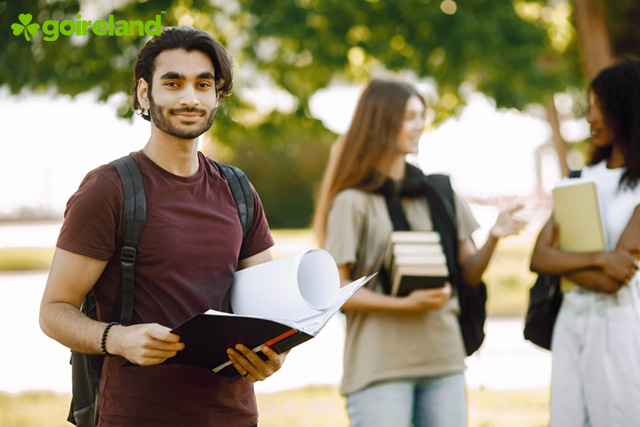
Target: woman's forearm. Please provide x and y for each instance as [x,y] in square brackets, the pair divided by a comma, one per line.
[553,261]
[474,263]
[594,279]
[548,259]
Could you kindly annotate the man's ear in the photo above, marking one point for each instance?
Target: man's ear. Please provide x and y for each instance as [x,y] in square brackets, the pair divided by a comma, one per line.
[142,92]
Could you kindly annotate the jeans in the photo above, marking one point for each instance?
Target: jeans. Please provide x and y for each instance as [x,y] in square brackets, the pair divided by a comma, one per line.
[438,401]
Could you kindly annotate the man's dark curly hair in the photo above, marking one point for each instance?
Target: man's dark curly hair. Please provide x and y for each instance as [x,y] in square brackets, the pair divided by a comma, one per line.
[189,39]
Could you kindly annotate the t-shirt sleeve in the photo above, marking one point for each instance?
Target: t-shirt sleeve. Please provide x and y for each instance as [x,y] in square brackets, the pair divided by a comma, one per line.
[259,238]
[345,225]
[467,223]
[92,216]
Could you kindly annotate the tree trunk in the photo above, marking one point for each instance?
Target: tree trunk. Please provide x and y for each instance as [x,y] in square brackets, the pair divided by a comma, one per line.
[593,36]
[558,142]
[596,53]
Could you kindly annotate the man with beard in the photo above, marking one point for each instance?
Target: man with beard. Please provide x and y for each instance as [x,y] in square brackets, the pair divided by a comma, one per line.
[190,247]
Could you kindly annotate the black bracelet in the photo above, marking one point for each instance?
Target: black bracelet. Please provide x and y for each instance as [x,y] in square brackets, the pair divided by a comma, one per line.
[103,344]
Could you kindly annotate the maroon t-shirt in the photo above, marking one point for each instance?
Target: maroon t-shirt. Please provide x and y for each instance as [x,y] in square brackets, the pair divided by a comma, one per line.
[188,253]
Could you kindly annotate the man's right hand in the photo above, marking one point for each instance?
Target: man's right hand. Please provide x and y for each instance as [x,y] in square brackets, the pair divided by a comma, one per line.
[144,345]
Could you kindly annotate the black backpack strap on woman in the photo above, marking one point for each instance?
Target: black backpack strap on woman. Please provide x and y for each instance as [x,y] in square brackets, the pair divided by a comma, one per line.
[439,196]
[545,299]
[472,299]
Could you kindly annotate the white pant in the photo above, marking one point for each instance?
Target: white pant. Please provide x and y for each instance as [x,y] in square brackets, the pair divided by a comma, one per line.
[596,359]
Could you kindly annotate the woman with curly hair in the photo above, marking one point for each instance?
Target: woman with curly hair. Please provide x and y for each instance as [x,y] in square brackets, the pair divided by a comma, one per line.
[596,338]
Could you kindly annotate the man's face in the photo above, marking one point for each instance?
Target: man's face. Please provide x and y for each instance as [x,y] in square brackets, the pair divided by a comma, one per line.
[182,101]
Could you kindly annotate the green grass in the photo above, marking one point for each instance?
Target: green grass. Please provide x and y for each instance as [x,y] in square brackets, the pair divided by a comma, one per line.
[522,408]
[305,407]
[508,277]
[22,259]
[34,409]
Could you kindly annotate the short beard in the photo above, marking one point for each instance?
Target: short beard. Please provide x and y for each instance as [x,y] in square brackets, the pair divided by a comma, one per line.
[159,118]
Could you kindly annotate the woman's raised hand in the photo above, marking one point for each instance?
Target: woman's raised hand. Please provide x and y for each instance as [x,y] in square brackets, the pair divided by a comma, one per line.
[507,223]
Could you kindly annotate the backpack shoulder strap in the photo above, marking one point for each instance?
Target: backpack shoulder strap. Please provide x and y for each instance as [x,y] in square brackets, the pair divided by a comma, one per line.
[575,173]
[134,215]
[242,194]
[443,184]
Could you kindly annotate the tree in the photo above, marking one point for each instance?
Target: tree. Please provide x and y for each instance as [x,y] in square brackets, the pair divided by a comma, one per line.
[103,65]
[515,51]
[507,55]
[593,34]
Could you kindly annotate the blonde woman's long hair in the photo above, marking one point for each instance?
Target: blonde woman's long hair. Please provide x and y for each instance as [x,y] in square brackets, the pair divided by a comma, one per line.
[362,157]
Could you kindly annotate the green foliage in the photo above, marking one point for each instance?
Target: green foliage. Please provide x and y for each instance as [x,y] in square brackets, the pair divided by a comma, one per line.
[284,157]
[512,56]
[485,43]
[516,51]
[622,18]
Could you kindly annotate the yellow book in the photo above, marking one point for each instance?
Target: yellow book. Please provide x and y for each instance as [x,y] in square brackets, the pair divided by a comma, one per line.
[577,211]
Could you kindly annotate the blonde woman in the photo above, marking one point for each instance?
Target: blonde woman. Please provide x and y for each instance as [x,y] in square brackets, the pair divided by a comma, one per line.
[404,356]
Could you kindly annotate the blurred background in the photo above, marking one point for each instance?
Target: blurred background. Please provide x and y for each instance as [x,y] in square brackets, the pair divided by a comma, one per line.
[506,86]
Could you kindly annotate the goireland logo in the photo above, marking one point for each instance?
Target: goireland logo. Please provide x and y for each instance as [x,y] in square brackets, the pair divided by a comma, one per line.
[53,29]
[25,26]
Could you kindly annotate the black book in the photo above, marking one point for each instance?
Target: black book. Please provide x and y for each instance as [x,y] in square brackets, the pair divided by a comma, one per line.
[415,260]
[207,336]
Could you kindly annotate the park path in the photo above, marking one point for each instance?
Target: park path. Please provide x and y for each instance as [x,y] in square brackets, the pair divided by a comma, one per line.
[32,361]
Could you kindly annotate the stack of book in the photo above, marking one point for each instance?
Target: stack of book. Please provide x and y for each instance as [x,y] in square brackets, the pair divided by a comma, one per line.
[415,260]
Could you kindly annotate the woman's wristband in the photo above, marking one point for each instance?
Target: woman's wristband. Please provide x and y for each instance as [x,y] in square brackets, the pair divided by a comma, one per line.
[103,343]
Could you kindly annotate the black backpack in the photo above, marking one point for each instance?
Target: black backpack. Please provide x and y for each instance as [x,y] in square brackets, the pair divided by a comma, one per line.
[86,369]
[472,299]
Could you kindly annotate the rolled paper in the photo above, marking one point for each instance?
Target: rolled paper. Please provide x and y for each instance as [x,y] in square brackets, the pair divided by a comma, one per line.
[294,287]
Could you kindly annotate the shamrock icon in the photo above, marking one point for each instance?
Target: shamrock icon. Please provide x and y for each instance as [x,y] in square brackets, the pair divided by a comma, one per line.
[26,27]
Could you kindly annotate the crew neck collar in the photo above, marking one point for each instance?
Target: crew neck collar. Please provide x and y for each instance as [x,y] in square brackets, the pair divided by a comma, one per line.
[196,176]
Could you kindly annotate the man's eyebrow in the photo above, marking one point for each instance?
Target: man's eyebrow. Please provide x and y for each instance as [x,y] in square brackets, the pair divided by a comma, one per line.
[206,75]
[172,75]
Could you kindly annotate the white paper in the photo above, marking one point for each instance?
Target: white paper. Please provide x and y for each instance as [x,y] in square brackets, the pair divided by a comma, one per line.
[314,324]
[310,325]
[294,287]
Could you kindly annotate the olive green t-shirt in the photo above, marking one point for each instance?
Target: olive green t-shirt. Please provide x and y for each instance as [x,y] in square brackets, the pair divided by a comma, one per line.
[391,345]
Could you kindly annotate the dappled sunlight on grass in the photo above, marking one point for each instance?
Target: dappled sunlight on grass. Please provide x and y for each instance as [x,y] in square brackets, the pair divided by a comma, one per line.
[313,406]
